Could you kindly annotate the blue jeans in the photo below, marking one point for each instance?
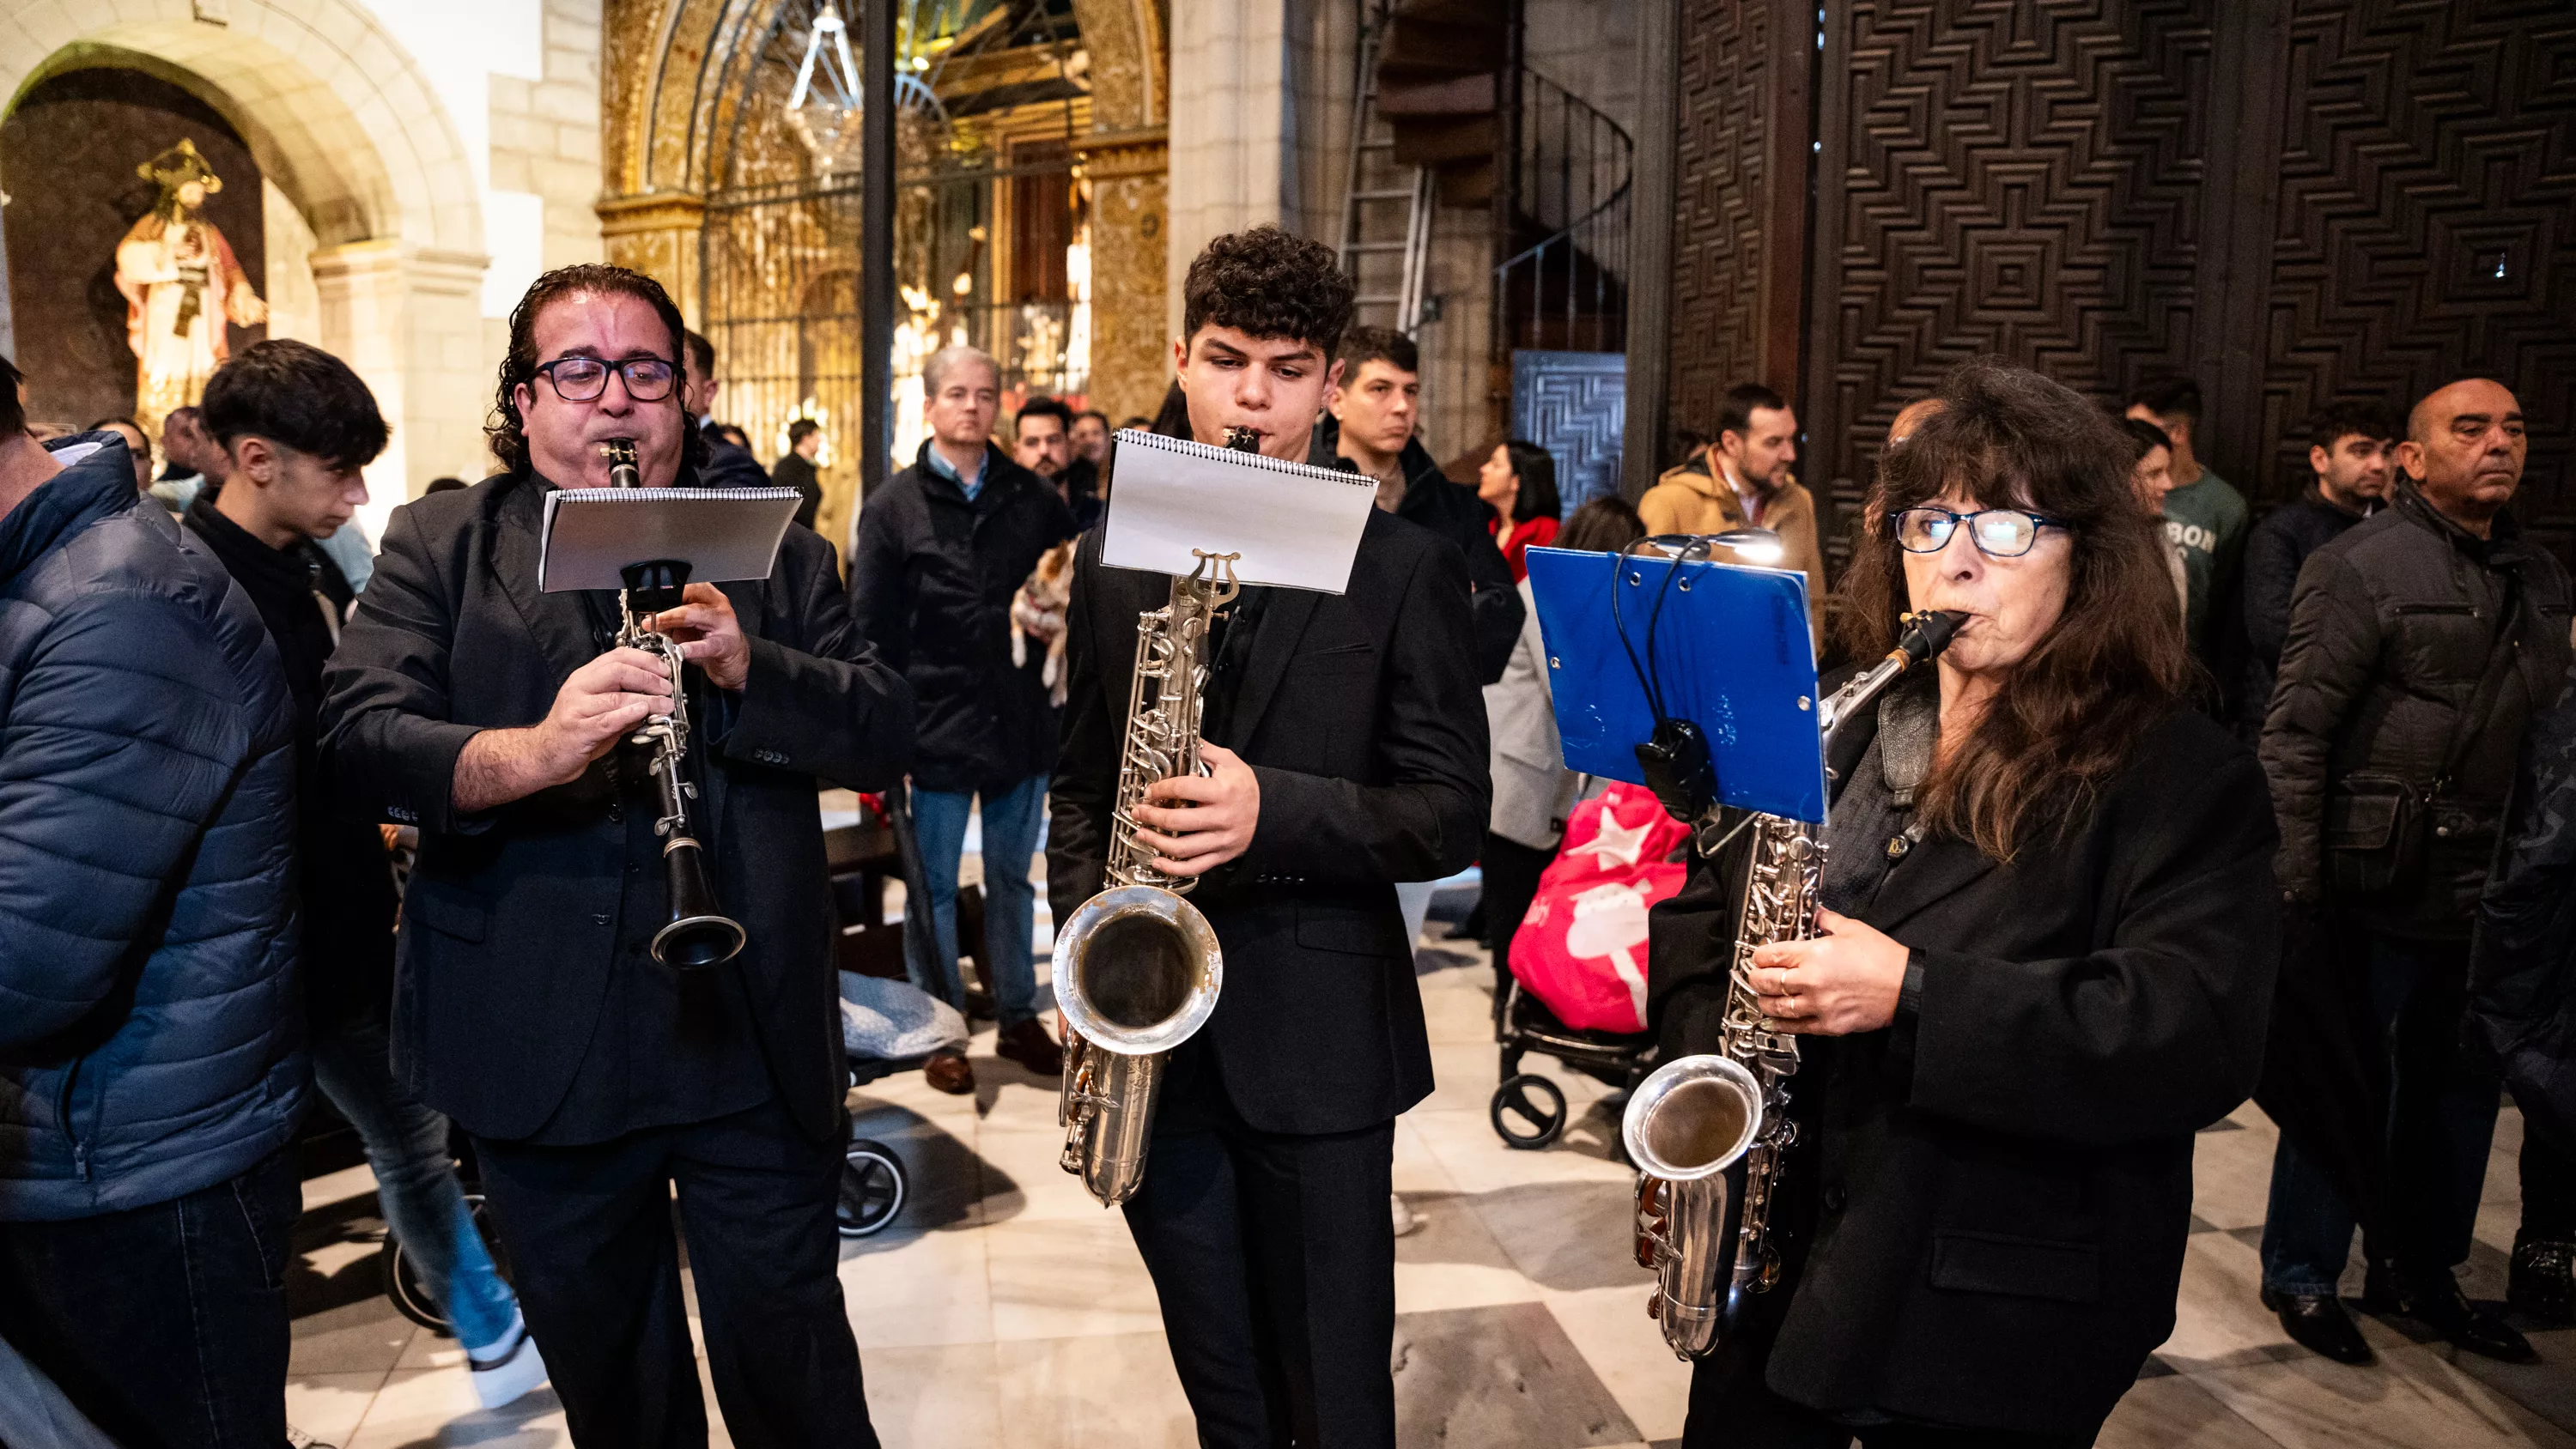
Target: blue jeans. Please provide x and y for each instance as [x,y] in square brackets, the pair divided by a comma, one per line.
[2441,1113]
[1011,822]
[415,1178]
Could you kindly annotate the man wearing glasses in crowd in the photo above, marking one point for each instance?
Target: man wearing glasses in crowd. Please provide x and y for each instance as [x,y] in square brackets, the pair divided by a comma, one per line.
[495,716]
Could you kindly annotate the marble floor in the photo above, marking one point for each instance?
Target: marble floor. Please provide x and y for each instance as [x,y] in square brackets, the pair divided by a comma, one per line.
[1005,1299]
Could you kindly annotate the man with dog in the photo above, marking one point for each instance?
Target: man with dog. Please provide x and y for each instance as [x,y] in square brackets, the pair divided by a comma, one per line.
[942,548]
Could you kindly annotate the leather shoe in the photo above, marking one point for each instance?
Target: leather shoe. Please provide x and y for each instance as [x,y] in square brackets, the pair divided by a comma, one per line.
[2451,1314]
[2544,1280]
[1030,1046]
[948,1072]
[980,1005]
[2317,1322]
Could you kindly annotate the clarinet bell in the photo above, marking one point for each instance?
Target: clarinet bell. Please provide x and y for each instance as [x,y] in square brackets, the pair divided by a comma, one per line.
[700,935]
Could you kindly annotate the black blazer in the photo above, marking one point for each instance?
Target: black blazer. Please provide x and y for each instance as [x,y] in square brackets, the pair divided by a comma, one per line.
[1361,716]
[1986,1215]
[509,922]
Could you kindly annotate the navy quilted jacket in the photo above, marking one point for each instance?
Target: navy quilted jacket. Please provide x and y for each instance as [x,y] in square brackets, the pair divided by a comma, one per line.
[151,1041]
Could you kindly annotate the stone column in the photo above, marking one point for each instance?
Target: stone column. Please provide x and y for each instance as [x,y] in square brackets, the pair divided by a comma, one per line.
[1130,362]
[657,234]
[1230,133]
[409,322]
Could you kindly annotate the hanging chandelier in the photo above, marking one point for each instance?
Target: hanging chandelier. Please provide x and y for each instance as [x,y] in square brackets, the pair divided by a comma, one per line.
[825,106]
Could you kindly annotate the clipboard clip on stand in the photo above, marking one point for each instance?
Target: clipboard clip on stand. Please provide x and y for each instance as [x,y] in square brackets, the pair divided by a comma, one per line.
[1675,759]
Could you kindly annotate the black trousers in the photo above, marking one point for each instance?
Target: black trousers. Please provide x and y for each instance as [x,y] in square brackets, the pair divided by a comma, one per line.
[166,1324]
[1511,872]
[597,1267]
[1732,1408]
[1274,1258]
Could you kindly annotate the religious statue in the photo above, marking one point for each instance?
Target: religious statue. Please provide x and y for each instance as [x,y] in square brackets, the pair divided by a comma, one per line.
[181,284]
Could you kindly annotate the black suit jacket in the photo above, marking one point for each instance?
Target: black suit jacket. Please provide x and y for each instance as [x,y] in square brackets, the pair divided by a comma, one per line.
[1986,1215]
[1361,717]
[509,921]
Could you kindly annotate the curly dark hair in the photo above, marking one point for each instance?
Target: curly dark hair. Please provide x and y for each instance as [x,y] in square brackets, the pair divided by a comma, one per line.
[1268,283]
[519,365]
[2067,717]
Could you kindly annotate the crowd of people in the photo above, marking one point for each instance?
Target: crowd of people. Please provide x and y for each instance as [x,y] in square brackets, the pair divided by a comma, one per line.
[2193,809]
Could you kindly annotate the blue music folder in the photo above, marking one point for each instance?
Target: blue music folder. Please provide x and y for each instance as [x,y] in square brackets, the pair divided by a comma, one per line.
[1732,653]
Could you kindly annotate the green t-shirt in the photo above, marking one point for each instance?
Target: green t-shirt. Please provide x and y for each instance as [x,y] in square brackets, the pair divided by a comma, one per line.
[2206,521]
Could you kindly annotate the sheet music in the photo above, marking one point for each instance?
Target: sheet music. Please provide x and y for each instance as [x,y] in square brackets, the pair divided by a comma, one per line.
[1296,526]
[724,534]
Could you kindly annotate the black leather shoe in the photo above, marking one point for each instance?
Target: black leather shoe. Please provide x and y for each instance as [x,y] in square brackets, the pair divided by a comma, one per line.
[2453,1316]
[980,1005]
[2544,1280]
[2380,1292]
[2317,1323]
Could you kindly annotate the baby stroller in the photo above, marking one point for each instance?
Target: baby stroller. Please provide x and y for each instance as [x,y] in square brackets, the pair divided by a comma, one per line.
[1577,984]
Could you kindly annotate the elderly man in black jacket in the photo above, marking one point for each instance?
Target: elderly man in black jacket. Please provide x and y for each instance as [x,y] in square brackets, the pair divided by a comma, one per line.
[942,548]
[2421,643]
[151,1051]
[1345,740]
[2348,450]
[528,1006]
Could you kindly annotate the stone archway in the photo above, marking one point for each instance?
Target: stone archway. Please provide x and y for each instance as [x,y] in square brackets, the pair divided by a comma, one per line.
[671,91]
[340,118]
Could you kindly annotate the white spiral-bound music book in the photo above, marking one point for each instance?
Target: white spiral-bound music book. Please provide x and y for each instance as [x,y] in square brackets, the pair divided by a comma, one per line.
[723,534]
[1296,526]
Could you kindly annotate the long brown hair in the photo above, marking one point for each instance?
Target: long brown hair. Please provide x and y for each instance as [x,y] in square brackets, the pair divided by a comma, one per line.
[2067,717]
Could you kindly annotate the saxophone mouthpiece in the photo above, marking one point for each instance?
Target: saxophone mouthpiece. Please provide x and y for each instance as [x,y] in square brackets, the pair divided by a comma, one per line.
[1928,633]
[1243,440]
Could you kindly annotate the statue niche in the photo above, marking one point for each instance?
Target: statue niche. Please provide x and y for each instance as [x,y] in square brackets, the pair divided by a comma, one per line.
[181,284]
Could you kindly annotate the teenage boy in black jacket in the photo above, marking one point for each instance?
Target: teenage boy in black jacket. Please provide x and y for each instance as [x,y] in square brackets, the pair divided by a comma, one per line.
[296,425]
[1345,739]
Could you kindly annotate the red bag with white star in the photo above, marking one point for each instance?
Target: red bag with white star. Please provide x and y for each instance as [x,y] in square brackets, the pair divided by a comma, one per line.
[1581,949]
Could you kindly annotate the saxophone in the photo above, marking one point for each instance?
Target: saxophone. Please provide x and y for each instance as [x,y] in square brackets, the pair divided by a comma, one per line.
[1137,968]
[1708,1133]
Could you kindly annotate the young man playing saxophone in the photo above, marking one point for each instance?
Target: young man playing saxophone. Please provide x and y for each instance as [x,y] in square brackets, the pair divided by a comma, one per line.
[1345,743]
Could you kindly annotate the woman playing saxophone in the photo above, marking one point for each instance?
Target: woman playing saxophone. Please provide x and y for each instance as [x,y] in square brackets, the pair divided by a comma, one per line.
[2043,960]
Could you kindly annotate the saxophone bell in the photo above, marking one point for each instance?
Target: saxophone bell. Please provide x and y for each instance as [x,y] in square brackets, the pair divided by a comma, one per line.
[1687,1125]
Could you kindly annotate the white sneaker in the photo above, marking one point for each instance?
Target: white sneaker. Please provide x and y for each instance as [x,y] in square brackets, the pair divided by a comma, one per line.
[508,1370]
[1405,1221]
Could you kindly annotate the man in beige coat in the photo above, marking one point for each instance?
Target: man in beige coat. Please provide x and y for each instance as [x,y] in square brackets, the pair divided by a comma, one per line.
[1743,480]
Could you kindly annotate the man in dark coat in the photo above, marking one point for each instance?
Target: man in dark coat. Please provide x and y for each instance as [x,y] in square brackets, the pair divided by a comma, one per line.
[296,425]
[942,548]
[796,470]
[529,1006]
[1372,431]
[2523,1005]
[152,1060]
[1345,739]
[2421,643]
[2348,450]
[727,464]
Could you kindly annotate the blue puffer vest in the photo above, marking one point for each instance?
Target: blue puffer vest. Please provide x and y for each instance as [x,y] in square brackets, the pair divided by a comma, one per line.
[151,1036]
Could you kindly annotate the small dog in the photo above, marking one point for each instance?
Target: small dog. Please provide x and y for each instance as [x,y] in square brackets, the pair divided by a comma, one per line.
[1038,610]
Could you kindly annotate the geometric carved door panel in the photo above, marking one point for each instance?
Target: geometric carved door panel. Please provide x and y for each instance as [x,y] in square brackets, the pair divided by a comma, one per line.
[1573,404]
[2014,179]
[2426,223]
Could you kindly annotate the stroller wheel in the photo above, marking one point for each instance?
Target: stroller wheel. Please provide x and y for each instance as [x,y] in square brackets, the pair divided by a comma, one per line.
[871,1188]
[402,1275]
[1528,1111]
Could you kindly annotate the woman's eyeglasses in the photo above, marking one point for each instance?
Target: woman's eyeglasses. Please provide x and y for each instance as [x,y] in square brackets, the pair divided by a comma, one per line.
[1997,532]
[584,379]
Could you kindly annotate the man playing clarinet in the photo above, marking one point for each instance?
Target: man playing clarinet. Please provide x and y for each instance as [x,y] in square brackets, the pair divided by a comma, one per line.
[1345,741]
[529,1005]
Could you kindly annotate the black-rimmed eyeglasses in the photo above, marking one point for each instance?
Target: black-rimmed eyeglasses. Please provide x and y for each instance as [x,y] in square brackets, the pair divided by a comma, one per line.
[584,379]
[1997,532]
